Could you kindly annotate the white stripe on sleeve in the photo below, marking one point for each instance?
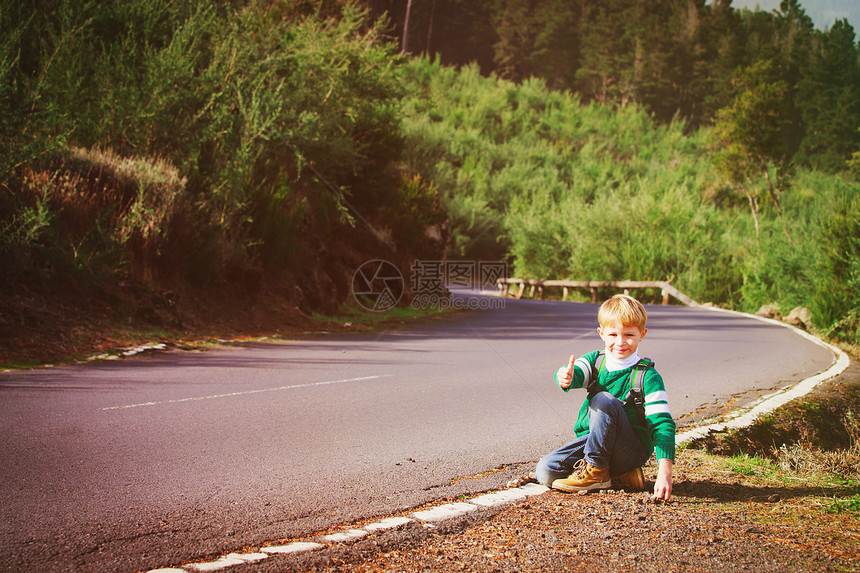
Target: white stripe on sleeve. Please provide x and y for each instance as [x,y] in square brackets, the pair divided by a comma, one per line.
[660,408]
[585,366]
[659,396]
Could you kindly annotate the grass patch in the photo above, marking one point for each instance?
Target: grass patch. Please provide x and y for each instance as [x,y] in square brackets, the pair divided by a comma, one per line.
[747,465]
[805,456]
[849,504]
[810,511]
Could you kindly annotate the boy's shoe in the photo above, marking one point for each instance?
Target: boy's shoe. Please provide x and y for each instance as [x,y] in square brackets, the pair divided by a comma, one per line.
[634,479]
[585,477]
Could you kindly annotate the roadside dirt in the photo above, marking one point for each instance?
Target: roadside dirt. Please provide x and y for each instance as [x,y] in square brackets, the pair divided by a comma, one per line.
[717,521]
[51,325]
[712,524]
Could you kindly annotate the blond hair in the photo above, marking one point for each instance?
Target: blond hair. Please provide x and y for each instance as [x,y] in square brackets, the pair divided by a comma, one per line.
[624,309]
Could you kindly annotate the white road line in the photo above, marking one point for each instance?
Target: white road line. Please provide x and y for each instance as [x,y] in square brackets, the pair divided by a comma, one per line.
[245,393]
[341,536]
[386,523]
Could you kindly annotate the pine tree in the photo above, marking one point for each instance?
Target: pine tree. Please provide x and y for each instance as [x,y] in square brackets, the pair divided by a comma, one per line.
[748,135]
[829,98]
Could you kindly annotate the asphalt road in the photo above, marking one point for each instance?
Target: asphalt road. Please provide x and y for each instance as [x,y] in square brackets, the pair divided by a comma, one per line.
[148,462]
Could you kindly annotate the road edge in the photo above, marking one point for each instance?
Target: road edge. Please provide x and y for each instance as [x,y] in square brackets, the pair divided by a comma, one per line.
[745,416]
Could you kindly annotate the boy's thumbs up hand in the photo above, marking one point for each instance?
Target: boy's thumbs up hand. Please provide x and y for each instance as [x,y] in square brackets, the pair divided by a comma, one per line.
[565,374]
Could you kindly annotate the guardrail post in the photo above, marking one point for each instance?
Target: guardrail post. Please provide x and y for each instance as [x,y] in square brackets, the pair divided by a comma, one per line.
[564,296]
[594,295]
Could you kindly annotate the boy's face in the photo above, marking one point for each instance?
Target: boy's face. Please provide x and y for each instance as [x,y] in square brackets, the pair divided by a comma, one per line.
[621,341]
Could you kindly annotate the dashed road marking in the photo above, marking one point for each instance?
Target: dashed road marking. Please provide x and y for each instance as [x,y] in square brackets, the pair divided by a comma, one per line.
[500,498]
[445,512]
[226,561]
[245,392]
[387,523]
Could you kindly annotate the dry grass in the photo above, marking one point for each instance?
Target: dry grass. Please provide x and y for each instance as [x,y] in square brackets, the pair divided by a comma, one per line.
[805,459]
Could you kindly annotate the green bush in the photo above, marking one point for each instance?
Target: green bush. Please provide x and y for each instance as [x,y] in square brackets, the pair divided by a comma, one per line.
[90,213]
[567,190]
[594,192]
[238,140]
[283,129]
[835,297]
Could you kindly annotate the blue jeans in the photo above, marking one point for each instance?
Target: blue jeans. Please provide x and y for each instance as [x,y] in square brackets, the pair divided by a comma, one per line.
[611,442]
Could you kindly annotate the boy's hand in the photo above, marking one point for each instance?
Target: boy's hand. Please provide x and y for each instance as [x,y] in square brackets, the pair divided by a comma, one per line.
[663,483]
[565,374]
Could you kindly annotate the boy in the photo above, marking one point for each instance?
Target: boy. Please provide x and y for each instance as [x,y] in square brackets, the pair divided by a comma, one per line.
[612,438]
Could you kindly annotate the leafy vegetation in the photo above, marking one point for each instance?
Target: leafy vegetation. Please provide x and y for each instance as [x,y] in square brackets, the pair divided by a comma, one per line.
[674,58]
[813,436]
[197,143]
[595,192]
[809,449]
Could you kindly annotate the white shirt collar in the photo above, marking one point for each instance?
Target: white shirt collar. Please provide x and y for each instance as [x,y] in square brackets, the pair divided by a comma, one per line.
[613,364]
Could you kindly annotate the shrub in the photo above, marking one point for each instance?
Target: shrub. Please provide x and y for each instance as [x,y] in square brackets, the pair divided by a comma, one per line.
[92,212]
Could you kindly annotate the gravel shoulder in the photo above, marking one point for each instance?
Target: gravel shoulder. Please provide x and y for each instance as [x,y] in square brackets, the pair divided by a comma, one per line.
[718,520]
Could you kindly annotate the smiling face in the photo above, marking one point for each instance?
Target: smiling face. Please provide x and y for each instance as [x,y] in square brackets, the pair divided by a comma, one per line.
[621,340]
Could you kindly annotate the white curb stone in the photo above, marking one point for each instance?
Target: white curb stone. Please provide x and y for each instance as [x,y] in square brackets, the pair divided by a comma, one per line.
[387,523]
[167,570]
[534,488]
[296,547]
[248,557]
[347,535]
[499,498]
[217,565]
[444,512]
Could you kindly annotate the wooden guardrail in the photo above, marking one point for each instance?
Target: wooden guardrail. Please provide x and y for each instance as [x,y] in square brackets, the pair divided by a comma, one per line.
[666,289]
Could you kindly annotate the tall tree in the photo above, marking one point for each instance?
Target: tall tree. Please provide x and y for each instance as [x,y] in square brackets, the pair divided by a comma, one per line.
[719,50]
[829,98]
[404,45]
[748,134]
[536,38]
[606,51]
[794,42]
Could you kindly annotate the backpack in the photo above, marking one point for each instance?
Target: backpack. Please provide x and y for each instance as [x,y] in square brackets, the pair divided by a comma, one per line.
[636,394]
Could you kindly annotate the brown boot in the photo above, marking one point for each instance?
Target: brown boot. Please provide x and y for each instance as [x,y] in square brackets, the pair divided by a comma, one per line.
[585,477]
[633,480]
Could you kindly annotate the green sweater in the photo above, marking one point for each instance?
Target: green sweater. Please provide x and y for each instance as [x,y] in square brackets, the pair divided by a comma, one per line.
[659,435]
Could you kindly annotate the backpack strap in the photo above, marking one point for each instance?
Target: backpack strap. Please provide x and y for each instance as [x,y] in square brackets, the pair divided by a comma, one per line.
[596,367]
[636,394]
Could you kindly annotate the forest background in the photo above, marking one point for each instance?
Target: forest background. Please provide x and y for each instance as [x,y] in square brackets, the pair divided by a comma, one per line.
[168,165]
